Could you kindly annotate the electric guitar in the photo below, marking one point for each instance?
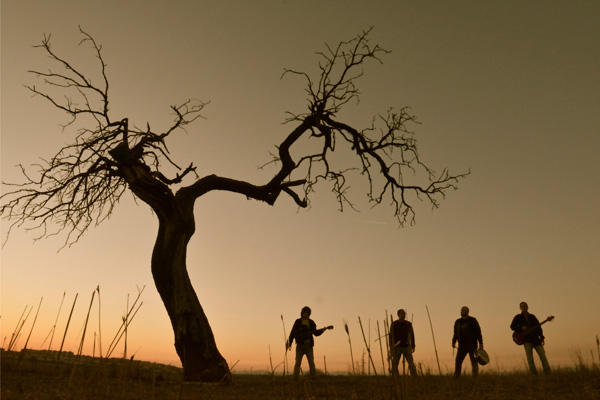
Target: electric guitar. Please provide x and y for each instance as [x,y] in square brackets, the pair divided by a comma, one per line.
[519,337]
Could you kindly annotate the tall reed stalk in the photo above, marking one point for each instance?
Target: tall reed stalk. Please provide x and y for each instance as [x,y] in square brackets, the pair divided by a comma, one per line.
[33,324]
[30,332]
[87,318]
[380,338]
[434,346]
[67,327]
[350,343]
[126,325]
[99,323]
[16,332]
[121,331]
[271,362]
[126,321]
[367,346]
[53,330]
[287,346]
[598,347]
[386,328]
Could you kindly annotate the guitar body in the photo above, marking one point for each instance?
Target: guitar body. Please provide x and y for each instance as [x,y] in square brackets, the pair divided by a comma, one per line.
[518,338]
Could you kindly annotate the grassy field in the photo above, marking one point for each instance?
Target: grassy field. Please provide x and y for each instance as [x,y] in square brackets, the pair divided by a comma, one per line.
[37,375]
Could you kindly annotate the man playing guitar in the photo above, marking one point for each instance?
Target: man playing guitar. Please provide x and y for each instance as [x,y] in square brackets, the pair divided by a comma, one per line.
[528,332]
[303,330]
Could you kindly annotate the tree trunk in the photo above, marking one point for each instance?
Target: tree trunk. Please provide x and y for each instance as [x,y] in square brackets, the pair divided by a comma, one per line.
[194,340]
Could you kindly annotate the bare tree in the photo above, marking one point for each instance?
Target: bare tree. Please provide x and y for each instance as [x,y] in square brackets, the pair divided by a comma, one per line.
[81,184]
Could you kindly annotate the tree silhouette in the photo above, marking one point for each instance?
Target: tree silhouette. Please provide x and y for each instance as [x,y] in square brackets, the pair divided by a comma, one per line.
[82,183]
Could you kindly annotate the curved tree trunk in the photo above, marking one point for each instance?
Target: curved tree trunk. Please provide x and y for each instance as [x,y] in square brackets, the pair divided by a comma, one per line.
[194,340]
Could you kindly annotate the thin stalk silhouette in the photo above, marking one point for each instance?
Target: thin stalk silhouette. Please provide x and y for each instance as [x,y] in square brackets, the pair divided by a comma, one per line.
[99,323]
[30,332]
[433,337]
[53,329]
[350,343]
[87,318]
[126,321]
[67,327]
[15,334]
[285,340]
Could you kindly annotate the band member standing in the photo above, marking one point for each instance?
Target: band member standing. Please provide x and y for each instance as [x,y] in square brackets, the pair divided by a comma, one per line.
[402,341]
[533,339]
[303,330]
[467,333]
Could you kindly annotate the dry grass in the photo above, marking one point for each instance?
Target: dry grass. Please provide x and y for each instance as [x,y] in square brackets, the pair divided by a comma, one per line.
[38,377]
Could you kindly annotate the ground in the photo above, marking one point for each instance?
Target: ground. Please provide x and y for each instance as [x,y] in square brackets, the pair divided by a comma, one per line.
[38,375]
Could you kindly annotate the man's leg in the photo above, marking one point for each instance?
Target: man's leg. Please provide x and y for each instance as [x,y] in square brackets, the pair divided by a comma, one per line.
[542,354]
[311,360]
[529,354]
[407,351]
[461,353]
[396,360]
[299,354]
[474,363]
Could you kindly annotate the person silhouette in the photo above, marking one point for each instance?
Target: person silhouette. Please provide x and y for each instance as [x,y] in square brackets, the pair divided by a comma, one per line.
[402,341]
[533,337]
[302,332]
[467,333]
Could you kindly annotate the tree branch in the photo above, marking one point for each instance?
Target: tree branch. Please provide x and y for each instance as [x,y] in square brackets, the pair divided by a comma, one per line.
[83,182]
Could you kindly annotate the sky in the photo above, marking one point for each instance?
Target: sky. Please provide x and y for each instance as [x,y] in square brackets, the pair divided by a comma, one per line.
[507,90]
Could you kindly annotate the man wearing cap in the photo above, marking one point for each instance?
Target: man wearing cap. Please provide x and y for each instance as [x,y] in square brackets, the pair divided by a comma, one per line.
[402,343]
[467,333]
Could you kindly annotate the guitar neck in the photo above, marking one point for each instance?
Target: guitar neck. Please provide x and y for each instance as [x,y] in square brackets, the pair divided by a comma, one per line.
[537,326]
[322,329]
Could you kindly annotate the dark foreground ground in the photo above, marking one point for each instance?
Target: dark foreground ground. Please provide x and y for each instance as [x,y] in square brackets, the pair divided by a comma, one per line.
[37,375]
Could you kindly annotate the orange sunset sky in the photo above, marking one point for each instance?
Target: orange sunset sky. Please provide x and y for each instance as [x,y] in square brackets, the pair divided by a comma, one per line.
[509,90]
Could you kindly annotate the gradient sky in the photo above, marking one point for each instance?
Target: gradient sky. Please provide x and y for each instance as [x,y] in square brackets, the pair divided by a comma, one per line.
[507,89]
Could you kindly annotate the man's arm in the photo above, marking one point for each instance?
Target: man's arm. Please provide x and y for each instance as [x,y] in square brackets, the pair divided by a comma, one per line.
[479,335]
[292,334]
[538,331]
[515,325]
[313,327]
[455,335]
